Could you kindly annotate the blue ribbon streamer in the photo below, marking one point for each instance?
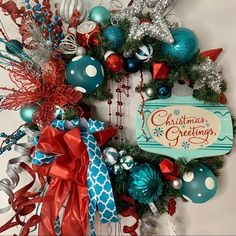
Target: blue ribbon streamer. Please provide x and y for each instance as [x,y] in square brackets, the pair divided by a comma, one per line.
[99,186]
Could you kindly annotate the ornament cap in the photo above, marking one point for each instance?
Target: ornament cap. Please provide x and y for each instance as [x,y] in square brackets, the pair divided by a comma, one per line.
[107,54]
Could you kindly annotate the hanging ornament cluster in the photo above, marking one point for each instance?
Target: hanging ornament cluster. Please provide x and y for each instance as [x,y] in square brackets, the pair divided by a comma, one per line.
[117,161]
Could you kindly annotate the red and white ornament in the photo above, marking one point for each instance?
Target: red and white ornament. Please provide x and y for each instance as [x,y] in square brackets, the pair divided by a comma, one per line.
[67,8]
[114,62]
[87,34]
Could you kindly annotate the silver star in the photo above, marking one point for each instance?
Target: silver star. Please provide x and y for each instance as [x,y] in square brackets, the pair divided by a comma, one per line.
[160,23]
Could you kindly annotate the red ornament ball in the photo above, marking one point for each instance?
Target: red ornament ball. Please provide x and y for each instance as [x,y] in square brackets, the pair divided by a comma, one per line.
[114,62]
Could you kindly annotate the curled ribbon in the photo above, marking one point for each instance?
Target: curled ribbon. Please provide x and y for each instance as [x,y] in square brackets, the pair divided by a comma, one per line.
[7,185]
[78,171]
[130,211]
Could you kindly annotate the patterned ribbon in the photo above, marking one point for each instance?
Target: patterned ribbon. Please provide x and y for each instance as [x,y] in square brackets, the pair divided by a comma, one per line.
[98,181]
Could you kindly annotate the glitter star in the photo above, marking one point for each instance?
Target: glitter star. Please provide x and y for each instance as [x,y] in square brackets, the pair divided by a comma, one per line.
[159,25]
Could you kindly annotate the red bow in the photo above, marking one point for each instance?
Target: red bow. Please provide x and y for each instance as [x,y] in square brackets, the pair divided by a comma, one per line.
[68,178]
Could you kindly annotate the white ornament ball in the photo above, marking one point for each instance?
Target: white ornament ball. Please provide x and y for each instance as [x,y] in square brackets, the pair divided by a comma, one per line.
[176,183]
[111,155]
[145,53]
[81,51]
[127,162]
[150,92]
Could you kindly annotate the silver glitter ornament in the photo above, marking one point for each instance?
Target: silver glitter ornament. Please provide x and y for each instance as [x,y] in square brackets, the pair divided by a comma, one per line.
[110,156]
[127,162]
[176,183]
[150,92]
[118,169]
[211,75]
[160,23]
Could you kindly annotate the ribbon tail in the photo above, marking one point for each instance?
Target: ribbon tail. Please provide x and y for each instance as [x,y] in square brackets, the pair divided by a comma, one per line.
[53,202]
[76,213]
[92,204]
[107,214]
[100,190]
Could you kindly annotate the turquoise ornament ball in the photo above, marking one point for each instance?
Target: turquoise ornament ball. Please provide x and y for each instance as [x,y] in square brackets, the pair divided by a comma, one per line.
[184,48]
[26,113]
[145,184]
[85,73]
[199,185]
[163,92]
[99,14]
[115,36]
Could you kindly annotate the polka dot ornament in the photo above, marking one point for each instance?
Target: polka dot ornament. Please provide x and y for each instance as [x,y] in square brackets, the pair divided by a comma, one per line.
[85,73]
[199,185]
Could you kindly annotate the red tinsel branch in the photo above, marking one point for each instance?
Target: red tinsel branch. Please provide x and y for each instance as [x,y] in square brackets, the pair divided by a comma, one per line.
[19,99]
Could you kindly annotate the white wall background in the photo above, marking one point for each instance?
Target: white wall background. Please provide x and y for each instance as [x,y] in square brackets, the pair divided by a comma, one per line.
[214,23]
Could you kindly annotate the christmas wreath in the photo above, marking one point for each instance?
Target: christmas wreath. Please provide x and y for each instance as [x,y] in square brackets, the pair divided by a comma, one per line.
[69,57]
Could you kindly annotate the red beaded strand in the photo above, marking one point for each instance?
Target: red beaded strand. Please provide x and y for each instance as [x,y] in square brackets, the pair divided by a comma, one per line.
[143,103]
[122,88]
[109,102]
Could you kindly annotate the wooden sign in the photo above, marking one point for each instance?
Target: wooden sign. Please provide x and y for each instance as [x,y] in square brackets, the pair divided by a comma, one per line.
[183,127]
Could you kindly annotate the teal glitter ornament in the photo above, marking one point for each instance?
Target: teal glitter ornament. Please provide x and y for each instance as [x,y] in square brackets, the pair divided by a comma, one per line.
[85,73]
[145,184]
[99,14]
[115,36]
[184,48]
[26,113]
[199,185]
